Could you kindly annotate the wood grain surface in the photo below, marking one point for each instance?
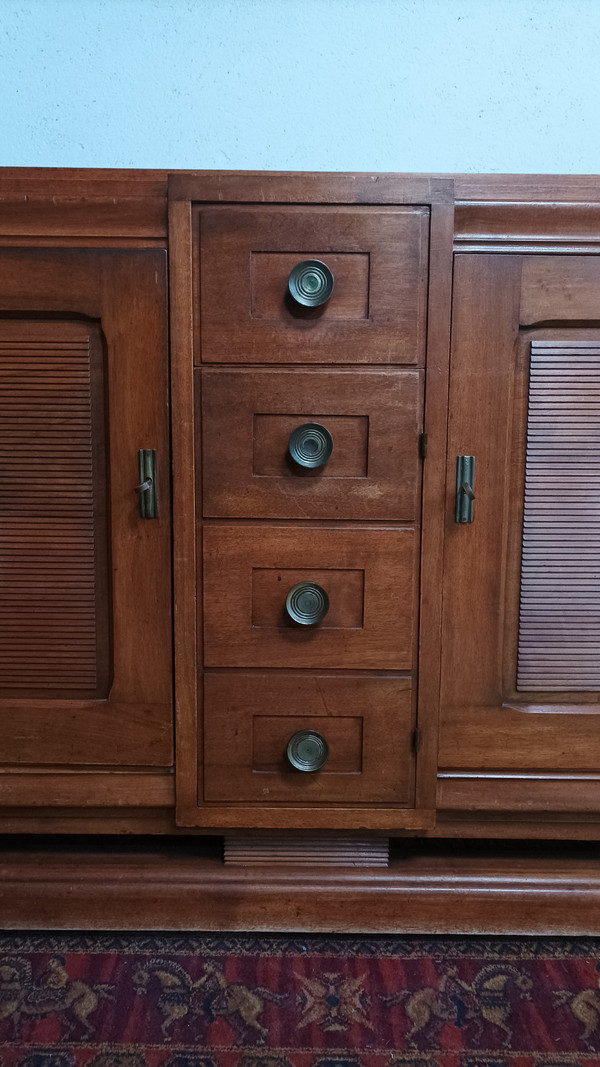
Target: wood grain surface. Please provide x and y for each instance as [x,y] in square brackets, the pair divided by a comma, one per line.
[376,314]
[125,292]
[441,889]
[365,719]
[370,623]
[374,418]
[497,733]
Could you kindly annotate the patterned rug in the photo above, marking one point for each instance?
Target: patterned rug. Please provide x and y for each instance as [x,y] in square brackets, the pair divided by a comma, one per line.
[139,1000]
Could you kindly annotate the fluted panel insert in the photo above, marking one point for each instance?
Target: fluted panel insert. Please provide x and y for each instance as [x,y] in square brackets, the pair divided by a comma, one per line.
[559,625]
[53,597]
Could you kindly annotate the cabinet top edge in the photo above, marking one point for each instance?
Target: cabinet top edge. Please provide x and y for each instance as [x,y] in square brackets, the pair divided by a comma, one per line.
[310,187]
[83,173]
[527,188]
[337,185]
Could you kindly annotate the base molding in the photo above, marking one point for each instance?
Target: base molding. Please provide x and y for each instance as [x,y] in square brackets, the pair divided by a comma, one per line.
[183,884]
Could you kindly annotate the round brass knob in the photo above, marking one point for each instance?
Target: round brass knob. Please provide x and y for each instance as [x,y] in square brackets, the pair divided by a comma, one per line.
[307,603]
[310,283]
[310,445]
[307,750]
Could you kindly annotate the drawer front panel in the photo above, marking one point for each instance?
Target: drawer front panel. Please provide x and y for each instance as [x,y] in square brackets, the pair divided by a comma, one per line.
[373,417]
[376,312]
[369,578]
[250,718]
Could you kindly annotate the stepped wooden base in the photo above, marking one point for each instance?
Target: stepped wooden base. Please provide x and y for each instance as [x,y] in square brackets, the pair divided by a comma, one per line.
[433,888]
[308,851]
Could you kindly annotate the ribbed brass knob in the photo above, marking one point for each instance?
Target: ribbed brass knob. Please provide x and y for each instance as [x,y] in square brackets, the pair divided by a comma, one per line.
[307,750]
[307,603]
[310,283]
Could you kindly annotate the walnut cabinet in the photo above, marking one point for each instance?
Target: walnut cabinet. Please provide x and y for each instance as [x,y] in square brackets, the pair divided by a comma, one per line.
[301,636]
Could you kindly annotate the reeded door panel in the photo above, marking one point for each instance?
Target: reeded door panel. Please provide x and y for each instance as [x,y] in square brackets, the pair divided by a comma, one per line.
[54,592]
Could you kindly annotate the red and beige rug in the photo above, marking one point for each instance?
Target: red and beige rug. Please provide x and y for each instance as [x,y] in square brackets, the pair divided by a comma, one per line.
[114,1000]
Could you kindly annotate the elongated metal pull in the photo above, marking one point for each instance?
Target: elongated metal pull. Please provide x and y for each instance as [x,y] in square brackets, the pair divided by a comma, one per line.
[147,488]
[465,475]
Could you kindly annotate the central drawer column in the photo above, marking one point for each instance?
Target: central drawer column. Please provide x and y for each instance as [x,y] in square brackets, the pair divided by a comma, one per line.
[310,341]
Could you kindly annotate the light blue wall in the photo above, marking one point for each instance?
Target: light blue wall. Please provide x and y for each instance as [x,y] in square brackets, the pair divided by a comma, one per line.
[433,85]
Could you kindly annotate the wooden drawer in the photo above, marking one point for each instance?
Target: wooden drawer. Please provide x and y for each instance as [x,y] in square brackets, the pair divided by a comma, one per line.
[377,310]
[368,575]
[373,418]
[249,718]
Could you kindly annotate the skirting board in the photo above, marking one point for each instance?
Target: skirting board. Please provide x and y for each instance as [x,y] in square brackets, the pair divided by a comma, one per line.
[430,888]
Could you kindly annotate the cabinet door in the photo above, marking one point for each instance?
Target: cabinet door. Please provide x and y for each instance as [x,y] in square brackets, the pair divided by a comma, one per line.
[521,631]
[85,661]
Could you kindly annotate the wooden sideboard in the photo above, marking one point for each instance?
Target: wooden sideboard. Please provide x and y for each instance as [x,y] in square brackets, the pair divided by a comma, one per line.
[299,620]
